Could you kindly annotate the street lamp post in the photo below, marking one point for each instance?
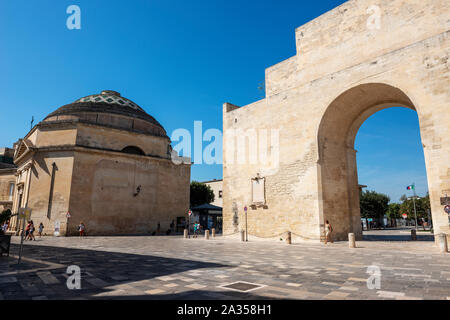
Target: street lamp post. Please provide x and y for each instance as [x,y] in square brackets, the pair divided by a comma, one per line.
[415,212]
[414,202]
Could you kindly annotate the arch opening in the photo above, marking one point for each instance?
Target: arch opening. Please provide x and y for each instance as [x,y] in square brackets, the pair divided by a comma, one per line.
[337,166]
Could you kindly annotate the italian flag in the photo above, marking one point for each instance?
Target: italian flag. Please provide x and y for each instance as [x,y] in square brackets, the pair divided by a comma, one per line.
[411,187]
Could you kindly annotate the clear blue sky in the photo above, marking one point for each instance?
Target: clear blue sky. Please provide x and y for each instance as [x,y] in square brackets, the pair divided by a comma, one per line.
[179,60]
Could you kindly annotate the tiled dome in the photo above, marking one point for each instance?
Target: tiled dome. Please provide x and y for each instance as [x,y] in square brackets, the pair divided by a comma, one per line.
[110,97]
[109,108]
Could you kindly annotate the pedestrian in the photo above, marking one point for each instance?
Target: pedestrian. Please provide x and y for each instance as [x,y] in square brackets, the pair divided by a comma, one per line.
[5,226]
[31,233]
[81,229]
[196,229]
[41,228]
[328,231]
[27,230]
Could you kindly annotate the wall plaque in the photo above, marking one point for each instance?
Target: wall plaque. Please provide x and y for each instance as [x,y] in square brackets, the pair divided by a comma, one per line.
[258,191]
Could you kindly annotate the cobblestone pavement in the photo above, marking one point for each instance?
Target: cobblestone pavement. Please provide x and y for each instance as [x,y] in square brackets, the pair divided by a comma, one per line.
[170,267]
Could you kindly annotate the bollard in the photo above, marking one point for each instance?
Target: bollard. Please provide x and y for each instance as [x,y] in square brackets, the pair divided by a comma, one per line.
[288,238]
[213,232]
[351,240]
[206,234]
[185,233]
[413,235]
[242,235]
[442,240]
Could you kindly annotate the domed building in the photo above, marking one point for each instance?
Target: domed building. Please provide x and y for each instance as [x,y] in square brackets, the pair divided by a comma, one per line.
[104,161]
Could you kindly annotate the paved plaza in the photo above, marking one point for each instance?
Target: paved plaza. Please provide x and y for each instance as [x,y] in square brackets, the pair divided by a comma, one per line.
[170,267]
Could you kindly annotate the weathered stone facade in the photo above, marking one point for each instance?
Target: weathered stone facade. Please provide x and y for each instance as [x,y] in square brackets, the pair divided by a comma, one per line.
[7,178]
[107,163]
[351,62]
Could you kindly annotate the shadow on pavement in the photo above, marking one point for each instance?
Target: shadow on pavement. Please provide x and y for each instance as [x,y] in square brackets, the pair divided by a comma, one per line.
[99,271]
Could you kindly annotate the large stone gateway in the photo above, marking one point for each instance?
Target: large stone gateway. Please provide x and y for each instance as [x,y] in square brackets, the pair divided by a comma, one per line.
[106,162]
[351,62]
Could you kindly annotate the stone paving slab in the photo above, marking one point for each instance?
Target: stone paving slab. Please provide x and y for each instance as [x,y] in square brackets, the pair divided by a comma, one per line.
[175,268]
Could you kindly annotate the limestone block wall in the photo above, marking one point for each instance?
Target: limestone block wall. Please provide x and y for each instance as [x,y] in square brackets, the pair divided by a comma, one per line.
[46,136]
[114,139]
[105,193]
[6,178]
[51,205]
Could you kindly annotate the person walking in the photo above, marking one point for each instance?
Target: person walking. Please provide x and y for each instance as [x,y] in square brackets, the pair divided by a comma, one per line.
[41,228]
[5,226]
[328,231]
[81,229]
[31,233]
[27,231]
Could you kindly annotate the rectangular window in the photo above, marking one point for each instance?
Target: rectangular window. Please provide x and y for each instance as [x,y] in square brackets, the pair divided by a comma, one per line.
[11,191]
[220,194]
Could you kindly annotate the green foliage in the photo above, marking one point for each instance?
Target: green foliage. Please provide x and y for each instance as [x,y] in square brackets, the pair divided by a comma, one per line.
[373,204]
[200,194]
[376,205]
[422,207]
[393,211]
[5,216]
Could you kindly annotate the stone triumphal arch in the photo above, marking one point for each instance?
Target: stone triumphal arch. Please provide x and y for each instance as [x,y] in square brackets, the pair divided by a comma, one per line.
[351,62]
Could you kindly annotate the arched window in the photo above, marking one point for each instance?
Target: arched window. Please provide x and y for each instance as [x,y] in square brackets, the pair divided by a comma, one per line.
[133,150]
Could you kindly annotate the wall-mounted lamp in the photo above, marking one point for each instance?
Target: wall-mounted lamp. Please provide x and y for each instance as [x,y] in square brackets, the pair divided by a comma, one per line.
[138,190]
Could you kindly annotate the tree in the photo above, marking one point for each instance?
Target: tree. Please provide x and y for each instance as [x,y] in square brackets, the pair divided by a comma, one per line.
[200,194]
[5,216]
[422,207]
[393,211]
[373,205]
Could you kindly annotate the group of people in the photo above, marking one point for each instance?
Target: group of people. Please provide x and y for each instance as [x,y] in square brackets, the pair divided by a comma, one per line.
[29,230]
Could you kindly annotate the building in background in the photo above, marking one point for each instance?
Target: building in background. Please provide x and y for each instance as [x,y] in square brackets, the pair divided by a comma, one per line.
[104,161]
[7,178]
[216,186]
[209,215]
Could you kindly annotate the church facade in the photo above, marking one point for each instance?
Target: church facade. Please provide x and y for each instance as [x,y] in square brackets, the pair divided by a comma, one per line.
[101,160]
